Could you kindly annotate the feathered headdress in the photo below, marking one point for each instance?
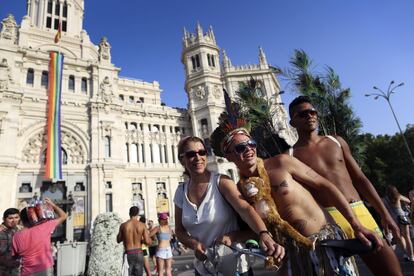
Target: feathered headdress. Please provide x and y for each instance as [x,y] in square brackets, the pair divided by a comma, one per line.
[230,122]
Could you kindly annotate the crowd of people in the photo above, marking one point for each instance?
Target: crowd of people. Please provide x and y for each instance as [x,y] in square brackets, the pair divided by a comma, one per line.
[290,203]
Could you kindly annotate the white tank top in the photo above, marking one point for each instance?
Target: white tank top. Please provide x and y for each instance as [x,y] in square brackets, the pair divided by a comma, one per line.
[212,219]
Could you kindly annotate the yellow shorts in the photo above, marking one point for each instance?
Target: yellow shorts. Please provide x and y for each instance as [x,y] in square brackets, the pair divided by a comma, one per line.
[363,215]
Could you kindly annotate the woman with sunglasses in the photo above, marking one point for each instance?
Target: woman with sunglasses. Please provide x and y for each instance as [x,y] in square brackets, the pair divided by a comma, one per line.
[204,208]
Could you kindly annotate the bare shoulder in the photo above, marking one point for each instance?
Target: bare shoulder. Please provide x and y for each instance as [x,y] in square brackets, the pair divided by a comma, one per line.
[340,140]
[225,178]
[226,182]
[278,160]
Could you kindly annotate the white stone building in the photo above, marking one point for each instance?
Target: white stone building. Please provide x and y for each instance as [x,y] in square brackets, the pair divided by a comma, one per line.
[119,142]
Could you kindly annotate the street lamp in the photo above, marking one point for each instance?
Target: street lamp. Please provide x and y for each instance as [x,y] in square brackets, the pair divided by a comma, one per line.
[386,96]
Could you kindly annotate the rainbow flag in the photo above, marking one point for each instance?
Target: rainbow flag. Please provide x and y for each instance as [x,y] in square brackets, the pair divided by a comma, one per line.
[54,151]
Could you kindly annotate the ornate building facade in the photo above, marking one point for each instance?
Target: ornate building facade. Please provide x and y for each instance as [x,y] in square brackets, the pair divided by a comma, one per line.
[119,143]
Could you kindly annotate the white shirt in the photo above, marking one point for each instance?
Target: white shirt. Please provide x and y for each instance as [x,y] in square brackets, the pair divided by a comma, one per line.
[212,219]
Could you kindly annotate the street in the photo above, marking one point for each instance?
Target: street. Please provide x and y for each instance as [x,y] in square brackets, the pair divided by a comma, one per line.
[183,266]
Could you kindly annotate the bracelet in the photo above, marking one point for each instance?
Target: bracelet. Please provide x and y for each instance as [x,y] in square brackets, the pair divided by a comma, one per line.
[265,232]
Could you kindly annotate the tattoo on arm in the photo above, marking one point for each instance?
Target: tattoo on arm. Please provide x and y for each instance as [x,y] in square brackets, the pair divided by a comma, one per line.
[311,173]
[283,184]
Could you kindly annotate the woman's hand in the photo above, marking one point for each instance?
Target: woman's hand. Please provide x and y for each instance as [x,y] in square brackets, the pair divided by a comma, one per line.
[271,247]
[225,239]
[199,251]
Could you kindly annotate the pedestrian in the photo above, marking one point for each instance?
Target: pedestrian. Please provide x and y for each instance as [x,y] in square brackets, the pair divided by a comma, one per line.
[205,208]
[11,224]
[395,200]
[299,217]
[164,253]
[330,156]
[131,233]
[33,244]
[153,246]
[145,249]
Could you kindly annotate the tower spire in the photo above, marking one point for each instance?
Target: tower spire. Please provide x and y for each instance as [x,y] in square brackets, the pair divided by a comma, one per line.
[226,60]
[199,31]
[211,34]
[262,57]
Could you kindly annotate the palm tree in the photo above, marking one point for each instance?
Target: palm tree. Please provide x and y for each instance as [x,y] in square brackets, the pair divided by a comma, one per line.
[336,116]
[260,113]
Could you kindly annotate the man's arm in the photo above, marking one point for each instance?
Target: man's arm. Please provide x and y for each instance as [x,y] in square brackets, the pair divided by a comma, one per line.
[367,190]
[61,214]
[145,235]
[307,176]
[233,196]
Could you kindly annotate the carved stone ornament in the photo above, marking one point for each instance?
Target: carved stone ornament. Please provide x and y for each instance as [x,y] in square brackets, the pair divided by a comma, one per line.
[200,93]
[106,128]
[106,91]
[217,92]
[36,147]
[9,29]
[104,50]
[5,75]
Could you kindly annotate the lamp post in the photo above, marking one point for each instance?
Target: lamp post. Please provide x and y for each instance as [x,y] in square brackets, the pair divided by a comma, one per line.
[387,96]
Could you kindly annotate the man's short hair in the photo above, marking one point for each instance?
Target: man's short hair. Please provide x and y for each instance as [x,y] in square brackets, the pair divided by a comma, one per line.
[10,211]
[297,101]
[133,211]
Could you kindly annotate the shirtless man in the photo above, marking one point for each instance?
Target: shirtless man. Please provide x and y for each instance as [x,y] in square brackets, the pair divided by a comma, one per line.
[290,180]
[131,233]
[331,157]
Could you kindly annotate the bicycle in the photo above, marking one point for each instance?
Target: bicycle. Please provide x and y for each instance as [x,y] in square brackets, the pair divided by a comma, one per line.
[222,259]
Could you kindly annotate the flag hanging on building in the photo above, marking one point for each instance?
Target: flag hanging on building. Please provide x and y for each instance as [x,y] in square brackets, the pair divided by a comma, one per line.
[59,33]
[54,151]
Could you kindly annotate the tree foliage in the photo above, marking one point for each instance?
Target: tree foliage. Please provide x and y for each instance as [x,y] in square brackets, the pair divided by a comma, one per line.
[260,112]
[336,116]
[387,161]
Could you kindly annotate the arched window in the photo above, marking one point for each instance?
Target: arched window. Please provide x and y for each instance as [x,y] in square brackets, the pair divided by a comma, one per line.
[30,77]
[107,146]
[64,157]
[127,152]
[45,78]
[134,153]
[197,59]
[208,60]
[71,83]
[84,85]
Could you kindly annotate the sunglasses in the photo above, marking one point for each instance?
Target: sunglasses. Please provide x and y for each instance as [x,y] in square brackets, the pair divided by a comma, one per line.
[192,153]
[242,147]
[306,113]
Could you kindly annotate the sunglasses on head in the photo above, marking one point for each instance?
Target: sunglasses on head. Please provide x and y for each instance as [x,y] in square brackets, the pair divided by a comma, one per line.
[242,147]
[307,112]
[192,153]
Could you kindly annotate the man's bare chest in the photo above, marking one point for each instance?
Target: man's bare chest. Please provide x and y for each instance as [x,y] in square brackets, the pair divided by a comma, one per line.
[322,158]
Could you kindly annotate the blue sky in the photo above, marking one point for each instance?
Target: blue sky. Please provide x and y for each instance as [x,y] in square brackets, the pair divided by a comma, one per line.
[367,42]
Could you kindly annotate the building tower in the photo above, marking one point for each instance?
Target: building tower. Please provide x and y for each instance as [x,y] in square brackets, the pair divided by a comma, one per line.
[203,84]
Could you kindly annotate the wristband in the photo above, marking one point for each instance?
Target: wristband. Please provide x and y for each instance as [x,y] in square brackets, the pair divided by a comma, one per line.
[265,232]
